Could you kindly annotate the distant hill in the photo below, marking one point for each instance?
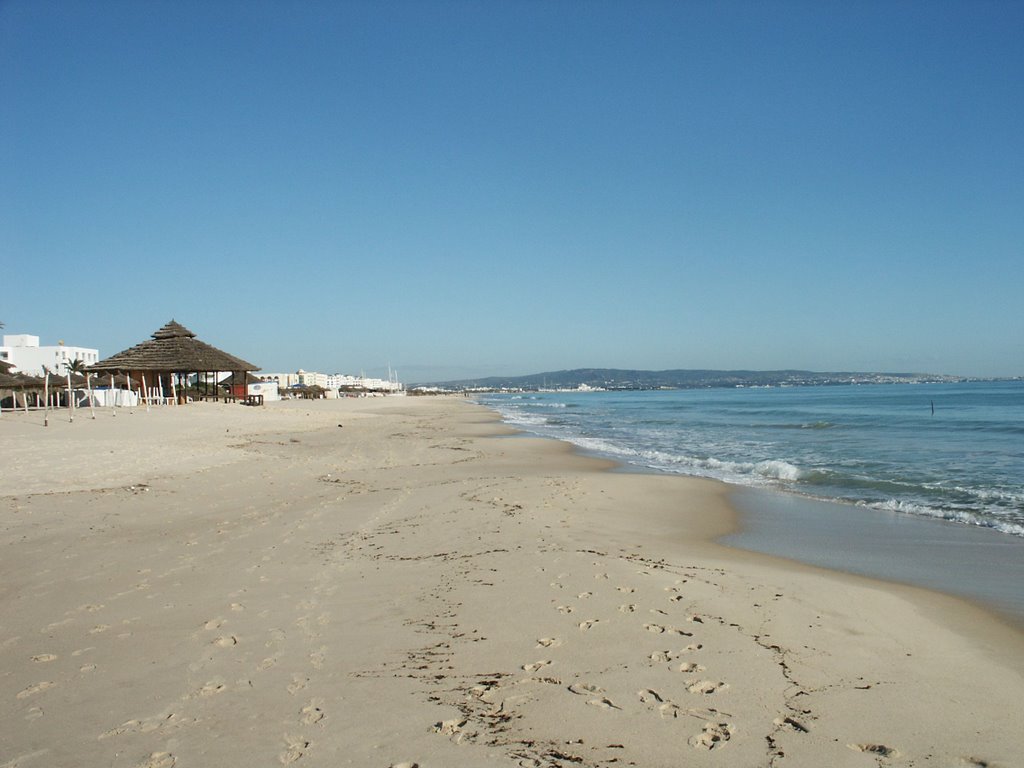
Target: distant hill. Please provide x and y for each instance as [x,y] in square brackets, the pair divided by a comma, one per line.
[614,378]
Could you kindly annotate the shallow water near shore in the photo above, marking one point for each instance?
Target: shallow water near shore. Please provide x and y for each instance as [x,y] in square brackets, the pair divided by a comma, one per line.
[976,563]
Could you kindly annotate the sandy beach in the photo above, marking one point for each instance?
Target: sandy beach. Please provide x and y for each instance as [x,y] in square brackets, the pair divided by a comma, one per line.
[402,582]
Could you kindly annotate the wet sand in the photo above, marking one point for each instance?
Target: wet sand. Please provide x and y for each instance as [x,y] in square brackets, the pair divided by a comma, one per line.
[980,564]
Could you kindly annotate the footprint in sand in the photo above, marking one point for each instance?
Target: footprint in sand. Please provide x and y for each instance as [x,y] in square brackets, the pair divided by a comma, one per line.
[131,725]
[584,595]
[585,689]
[876,749]
[712,736]
[627,590]
[226,641]
[32,690]
[585,625]
[668,710]
[689,666]
[627,608]
[648,696]
[211,689]
[565,609]
[705,686]
[535,666]
[449,727]
[793,723]
[313,712]
[603,704]
[673,655]
[158,760]
[295,747]
[42,658]
[548,642]
[297,684]
[658,629]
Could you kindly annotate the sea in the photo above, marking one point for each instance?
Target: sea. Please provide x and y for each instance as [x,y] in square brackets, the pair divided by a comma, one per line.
[918,483]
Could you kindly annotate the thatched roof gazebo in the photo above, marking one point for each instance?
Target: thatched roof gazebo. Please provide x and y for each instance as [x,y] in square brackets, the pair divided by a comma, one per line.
[171,355]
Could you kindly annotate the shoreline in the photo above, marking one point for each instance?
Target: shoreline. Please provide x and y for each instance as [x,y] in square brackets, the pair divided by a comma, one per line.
[772,522]
[384,584]
[978,565]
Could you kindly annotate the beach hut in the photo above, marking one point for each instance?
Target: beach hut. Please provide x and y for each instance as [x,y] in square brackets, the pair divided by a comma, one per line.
[162,365]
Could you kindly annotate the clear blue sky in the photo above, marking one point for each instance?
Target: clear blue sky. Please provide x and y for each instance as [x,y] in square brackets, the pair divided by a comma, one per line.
[474,188]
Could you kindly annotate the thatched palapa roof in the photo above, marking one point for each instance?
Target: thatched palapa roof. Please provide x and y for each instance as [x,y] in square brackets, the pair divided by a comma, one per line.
[173,349]
[229,381]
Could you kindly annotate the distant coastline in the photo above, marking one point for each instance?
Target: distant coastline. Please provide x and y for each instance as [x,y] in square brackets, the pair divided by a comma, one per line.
[625,379]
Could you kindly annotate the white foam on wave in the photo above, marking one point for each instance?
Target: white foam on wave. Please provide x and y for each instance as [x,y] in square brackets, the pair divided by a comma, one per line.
[521,418]
[779,470]
[963,517]
[992,495]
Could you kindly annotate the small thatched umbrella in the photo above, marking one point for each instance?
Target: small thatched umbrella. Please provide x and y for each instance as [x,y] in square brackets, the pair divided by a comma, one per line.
[17,382]
[173,350]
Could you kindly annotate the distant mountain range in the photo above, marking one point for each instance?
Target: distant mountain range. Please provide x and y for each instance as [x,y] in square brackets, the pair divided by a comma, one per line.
[614,378]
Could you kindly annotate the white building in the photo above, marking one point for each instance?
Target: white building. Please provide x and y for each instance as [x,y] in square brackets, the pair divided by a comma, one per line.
[332,382]
[312,379]
[283,380]
[23,352]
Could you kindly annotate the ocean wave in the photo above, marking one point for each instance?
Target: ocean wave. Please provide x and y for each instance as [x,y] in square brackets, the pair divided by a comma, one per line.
[519,418]
[964,517]
[779,470]
[996,496]
[803,425]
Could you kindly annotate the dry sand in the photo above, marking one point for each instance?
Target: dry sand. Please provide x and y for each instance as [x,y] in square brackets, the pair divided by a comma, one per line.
[216,585]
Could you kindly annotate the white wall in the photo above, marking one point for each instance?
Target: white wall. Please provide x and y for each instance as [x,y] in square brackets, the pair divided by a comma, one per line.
[24,353]
[266,388]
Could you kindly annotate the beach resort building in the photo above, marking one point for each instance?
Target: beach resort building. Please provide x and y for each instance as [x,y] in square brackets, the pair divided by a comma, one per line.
[333,382]
[23,352]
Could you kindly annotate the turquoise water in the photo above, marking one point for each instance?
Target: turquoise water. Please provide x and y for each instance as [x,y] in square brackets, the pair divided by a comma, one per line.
[948,451]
